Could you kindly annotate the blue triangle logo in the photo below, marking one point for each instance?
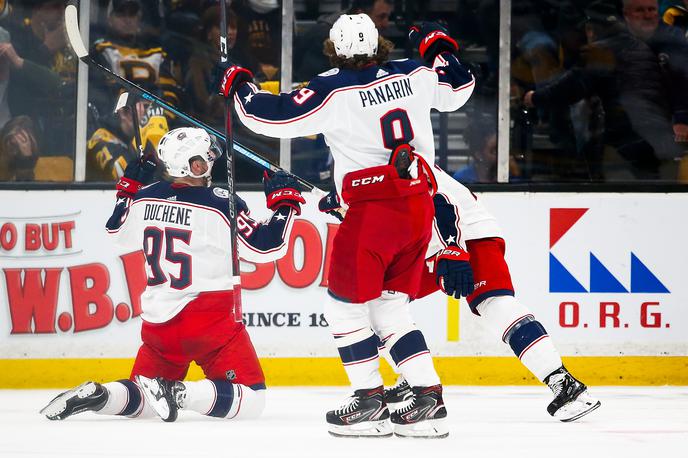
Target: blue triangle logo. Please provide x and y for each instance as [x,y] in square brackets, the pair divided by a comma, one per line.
[602,280]
[561,280]
[643,280]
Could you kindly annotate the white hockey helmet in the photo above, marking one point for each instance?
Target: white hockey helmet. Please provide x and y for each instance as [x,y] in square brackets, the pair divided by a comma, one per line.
[178,146]
[354,34]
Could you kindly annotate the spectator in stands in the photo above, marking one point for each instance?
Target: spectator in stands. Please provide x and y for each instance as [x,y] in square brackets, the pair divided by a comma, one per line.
[671,48]
[21,158]
[19,148]
[309,58]
[42,70]
[201,77]
[112,146]
[624,72]
[259,33]
[481,137]
[136,57]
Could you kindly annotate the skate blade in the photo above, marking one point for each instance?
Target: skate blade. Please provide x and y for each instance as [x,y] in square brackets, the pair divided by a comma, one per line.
[428,429]
[150,388]
[579,407]
[59,404]
[582,414]
[374,429]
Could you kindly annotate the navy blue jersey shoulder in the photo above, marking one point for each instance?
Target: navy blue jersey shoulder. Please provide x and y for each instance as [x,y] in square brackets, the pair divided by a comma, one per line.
[213,197]
[334,79]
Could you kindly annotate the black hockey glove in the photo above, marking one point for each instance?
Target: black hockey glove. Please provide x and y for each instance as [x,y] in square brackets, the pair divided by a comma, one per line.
[330,204]
[138,174]
[431,39]
[282,189]
[453,272]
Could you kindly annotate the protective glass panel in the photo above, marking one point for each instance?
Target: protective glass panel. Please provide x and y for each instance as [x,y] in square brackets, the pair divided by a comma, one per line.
[171,49]
[37,93]
[465,139]
[599,91]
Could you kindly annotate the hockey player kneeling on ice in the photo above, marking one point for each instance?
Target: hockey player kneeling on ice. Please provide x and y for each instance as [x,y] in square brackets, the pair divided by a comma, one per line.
[375,116]
[191,305]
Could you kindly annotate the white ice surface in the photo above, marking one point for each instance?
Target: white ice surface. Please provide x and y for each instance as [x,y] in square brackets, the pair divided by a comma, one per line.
[484,422]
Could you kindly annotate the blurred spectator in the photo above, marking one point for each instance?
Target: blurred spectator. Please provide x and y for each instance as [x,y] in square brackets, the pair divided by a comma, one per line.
[201,77]
[624,72]
[481,137]
[42,70]
[309,58]
[259,37]
[112,146]
[19,148]
[134,56]
[671,48]
[21,158]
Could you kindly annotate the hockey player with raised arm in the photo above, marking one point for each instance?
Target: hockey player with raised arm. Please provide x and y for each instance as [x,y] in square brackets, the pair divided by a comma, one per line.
[375,116]
[191,305]
[466,258]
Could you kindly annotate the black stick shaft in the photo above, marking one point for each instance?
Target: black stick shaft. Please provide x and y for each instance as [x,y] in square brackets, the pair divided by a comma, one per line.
[224,57]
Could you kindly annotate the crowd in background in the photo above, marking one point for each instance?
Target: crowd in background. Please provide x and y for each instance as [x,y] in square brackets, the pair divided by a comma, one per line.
[599,89]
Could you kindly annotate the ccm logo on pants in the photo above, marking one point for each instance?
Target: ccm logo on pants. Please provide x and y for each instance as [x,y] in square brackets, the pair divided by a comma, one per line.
[367,180]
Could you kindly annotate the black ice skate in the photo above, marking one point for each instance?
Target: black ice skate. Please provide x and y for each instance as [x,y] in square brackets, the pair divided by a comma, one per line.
[365,414]
[398,395]
[166,397]
[424,416]
[87,396]
[571,397]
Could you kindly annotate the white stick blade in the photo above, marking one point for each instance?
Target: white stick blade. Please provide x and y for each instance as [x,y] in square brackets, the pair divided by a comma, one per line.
[72,26]
[121,101]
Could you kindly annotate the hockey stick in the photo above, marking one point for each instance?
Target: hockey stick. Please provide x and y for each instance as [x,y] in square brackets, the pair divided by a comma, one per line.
[224,57]
[74,36]
[124,101]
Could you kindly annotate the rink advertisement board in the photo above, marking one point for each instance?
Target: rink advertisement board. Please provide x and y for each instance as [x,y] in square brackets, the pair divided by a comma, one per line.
[604,273]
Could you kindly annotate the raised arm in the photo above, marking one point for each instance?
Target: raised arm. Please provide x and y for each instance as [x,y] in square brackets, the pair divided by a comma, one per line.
[269,240]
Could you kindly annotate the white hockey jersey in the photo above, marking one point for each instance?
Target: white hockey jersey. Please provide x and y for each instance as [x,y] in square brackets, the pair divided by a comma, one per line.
[364,114]
[184,232]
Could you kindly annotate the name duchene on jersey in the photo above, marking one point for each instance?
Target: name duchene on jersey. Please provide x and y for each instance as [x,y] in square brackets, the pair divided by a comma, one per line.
[167,214]
[385,93]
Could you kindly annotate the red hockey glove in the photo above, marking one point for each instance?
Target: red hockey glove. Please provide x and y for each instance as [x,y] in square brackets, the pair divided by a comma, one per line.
[137,174]
[330,204]
[453,272]
[232,78]
[282,189]
[431,39]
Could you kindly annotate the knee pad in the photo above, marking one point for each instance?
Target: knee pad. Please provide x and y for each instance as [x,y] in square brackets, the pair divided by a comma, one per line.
[391,318]
[502,313]
[251,402]
[512,321]
[348,322]
[350,327]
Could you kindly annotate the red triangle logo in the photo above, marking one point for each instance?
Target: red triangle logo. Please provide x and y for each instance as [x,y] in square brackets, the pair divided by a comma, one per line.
[561,220]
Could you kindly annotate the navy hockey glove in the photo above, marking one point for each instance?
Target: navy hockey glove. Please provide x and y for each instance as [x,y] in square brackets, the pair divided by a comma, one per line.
[282,189]
[232,78]
[138,174]
[431,39]
[330,204]
[453,272]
